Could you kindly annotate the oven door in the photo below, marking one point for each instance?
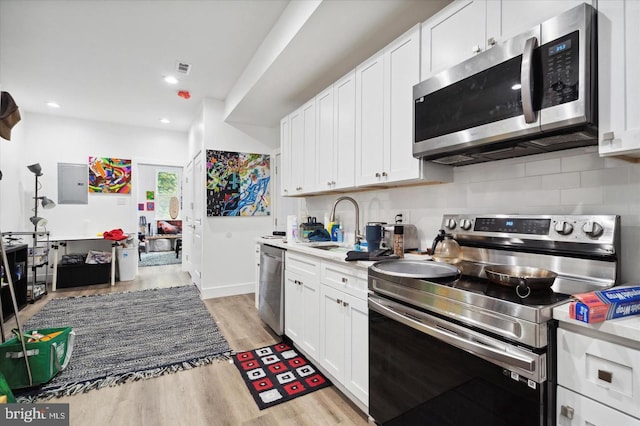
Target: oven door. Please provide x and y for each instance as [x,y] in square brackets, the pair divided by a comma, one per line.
[426,370]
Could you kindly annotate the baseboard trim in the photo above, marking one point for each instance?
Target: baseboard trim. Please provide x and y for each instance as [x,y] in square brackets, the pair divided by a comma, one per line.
[226,290]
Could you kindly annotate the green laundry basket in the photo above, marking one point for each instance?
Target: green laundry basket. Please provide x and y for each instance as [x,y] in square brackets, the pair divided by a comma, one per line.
[46,358]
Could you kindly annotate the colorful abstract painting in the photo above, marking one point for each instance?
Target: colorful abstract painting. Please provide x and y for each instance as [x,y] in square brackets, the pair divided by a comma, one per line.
[150,195]
[151,206]
[109,175]
[140,207]
[238,184]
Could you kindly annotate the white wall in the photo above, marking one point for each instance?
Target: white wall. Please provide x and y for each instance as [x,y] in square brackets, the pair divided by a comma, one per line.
[576,181]
[49,140]
[229,242]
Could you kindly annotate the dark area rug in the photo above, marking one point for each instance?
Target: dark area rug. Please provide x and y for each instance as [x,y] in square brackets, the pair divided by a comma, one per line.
[129,336]
[157,258]
[278,373]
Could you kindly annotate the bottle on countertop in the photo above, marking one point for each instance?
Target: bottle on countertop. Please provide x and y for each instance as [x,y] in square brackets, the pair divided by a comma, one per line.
[398,241]
[340,234]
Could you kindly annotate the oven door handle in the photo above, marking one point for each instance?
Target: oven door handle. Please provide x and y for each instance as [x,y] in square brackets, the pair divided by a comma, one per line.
[446,333]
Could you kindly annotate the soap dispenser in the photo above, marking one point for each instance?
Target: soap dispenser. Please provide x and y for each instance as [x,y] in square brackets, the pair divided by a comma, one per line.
[448,250]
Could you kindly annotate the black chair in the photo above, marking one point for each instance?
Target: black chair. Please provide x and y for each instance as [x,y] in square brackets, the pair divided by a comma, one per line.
[142,245]
[178,247]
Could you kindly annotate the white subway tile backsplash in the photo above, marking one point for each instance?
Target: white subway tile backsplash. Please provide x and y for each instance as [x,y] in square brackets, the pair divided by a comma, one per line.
[578,163]
[487,171]
[524,183]
[582,196]
[604,177]
[576,181]
[560,181]
[543,167]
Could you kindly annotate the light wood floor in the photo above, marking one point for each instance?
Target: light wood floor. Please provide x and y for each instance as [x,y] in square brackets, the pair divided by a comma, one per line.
[208,395]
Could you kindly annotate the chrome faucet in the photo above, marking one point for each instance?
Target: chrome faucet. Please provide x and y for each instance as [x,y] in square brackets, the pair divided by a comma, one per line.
[332,218]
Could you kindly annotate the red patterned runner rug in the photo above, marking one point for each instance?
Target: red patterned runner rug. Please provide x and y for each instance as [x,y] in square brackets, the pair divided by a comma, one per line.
[278,373]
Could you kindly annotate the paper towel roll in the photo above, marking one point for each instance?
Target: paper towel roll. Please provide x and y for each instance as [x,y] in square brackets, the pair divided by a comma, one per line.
[292,228]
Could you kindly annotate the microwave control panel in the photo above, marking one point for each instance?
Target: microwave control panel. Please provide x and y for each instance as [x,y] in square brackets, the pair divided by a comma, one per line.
[560,70]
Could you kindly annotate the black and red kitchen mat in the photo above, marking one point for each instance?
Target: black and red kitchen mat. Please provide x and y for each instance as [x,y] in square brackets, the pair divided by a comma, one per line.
[278,373]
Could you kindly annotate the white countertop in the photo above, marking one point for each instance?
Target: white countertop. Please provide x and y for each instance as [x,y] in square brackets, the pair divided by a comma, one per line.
[625,328]
[337,256]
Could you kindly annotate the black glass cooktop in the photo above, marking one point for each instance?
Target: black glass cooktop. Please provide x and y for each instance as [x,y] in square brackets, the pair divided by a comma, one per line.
[539,297]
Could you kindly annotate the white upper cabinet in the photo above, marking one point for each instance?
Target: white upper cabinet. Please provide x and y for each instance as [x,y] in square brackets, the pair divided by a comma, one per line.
[285,152]
[384,116]
[369,163]
[402,72]
[325,147]
[618,83]
[508,18]
[467,27]
[344,97]
[452,35]
[303,149]
[336,135]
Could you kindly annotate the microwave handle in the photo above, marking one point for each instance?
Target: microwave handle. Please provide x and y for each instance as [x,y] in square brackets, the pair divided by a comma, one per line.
[526,80]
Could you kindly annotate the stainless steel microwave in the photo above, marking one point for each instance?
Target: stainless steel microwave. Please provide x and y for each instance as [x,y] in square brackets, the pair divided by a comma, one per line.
[531,94]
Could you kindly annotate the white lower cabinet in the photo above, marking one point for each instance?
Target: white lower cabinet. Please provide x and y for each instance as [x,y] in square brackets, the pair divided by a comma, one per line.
[327,317]
[596,381]
[344,336]
[577,410]
[302,302]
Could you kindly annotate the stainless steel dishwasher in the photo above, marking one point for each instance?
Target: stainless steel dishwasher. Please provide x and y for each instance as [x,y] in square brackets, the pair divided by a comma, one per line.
[271,288]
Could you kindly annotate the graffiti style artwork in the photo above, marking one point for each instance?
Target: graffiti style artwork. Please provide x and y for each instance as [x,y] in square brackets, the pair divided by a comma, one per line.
[109,175]
[238,184]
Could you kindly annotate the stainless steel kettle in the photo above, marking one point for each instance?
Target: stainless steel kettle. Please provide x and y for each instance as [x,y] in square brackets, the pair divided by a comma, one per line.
[448,250]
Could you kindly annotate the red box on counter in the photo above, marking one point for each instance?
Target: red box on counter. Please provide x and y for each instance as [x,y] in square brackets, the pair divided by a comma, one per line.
[598,306]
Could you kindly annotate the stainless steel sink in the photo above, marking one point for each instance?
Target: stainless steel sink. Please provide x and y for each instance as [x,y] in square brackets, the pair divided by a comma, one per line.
[421,269]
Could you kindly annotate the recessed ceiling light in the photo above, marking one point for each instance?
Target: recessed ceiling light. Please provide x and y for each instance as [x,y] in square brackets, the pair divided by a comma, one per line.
[165,120]
[171,79]
[53,104]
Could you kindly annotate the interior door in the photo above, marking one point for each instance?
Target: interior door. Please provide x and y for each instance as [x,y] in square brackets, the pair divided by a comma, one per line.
[187,230]
[197,186]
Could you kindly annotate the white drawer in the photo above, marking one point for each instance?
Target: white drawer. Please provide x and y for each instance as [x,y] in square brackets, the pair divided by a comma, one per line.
[576,410]
[348,279]
[301,264]
[604,371]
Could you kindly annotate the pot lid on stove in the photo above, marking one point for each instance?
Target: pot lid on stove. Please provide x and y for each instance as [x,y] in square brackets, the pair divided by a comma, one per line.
[419,269]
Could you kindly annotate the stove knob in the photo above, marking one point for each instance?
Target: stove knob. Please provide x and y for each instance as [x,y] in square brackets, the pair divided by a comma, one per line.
[450,224]
[593,229]
[564,228]
[465,224]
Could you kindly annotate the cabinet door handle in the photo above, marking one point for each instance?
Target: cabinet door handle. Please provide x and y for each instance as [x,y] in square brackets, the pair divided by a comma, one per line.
[377,174]
[605,376]
[298,188]
[345,280]
[608,137]
[384,174]
[338,301]
[476,49]
[491,41]
[345,304]
[566,411]
[329,183]
[333,182]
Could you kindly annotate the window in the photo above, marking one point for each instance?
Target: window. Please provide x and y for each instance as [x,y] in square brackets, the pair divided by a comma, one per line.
[167,187]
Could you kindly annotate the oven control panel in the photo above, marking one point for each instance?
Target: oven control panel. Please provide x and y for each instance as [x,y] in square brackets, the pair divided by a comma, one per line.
[596,229]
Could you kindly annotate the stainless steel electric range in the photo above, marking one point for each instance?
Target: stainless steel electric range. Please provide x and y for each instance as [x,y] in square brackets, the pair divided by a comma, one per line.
[465,351]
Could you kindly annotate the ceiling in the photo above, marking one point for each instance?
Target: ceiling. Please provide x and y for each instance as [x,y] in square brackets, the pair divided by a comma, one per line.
[105,60]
